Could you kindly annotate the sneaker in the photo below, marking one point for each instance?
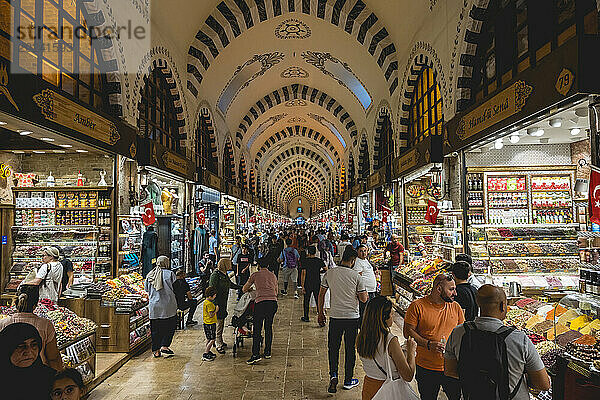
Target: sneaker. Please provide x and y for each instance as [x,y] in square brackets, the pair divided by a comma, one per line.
[253,360]
[220,350]
[296,296]
[284,292]
[267,355]
[304,319]
[192,323]
[333,381]
[207,357]
[351,384]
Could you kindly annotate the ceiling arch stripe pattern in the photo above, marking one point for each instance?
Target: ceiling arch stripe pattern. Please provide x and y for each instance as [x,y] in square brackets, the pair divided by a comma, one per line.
[302,168]
[295,189]
[302,152]
[296,131]
[161,65]
[314,174]
[418,63]
[283,180]
[294,92]
[291,180]
[231,18]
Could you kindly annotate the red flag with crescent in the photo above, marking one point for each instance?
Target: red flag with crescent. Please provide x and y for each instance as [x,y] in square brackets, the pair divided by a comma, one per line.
[432,212]
[594,193]
[149,218]
[201,216]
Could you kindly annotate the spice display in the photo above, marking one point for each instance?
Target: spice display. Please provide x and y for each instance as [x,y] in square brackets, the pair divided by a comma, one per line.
[567,337]
[579,322]
[543,327]
[586,339]
[517,317]
[544,347]
[550,357]
[535,338]
[584,352]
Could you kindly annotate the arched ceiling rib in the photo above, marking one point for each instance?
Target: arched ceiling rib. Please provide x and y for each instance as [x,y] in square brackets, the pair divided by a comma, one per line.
[295,176]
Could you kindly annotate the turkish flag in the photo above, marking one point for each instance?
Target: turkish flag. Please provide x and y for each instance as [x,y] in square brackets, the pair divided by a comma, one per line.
[594,193]
[149,217]
[432,212]
[201,216]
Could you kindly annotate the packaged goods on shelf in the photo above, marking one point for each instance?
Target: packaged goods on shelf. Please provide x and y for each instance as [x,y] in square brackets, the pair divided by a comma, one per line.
[127,290]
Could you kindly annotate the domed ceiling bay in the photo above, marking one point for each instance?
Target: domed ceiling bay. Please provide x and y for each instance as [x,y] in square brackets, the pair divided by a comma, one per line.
[293,87]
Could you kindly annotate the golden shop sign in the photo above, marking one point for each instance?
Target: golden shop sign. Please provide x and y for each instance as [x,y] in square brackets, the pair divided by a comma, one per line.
[505,104]
[69,114]
[175,162]
[407,161]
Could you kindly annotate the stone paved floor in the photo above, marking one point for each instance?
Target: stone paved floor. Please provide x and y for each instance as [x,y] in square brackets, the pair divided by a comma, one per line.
[298,369]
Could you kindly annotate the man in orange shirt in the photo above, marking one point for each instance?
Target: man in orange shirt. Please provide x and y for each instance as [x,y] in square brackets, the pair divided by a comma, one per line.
[430,320]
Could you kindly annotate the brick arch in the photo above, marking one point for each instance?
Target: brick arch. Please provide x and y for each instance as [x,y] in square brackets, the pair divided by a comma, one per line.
[232,18]
[416,67]
[295,92]
[297,131]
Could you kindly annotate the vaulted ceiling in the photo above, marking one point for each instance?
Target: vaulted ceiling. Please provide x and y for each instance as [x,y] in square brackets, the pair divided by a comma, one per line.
[294,83]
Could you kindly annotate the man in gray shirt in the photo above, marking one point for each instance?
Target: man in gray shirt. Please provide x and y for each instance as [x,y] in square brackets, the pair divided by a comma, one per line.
[523,358]
[346,289]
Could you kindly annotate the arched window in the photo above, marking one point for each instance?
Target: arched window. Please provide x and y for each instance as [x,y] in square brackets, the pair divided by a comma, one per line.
[515,35]
[385,142]
[228,163]
[54,41]
[205,143]
[364,160]
[426,117]
[158,119]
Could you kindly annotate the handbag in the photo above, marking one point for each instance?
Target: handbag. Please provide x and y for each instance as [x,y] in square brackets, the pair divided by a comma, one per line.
[392,389]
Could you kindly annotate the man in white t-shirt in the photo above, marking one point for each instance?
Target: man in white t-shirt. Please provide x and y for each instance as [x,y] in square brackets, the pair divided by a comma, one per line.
[347,291]
[365,270]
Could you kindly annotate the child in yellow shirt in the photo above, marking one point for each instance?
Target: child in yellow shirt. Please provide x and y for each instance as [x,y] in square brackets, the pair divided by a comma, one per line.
[209,317]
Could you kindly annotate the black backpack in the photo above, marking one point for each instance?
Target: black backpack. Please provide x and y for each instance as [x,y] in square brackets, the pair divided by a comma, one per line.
[483,364]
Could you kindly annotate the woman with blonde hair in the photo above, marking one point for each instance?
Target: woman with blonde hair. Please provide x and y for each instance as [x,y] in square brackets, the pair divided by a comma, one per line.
[375,343]
[219,279]
[162,306]
[50,274]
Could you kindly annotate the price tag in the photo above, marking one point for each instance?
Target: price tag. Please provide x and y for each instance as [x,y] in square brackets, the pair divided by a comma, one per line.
[4,239]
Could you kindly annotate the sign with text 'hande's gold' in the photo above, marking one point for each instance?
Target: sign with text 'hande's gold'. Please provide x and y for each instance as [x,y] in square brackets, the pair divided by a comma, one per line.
[505,104]
[69,114]
[406,162]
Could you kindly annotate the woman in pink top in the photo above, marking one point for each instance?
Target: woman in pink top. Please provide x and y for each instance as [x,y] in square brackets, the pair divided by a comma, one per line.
[265,308]
[27,300]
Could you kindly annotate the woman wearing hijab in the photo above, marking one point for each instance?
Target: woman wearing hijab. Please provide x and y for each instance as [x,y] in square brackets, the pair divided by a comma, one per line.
[26,376]
[27,300]
[162,306]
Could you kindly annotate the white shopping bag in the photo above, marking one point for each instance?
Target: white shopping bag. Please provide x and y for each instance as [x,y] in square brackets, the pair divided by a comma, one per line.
[392,389]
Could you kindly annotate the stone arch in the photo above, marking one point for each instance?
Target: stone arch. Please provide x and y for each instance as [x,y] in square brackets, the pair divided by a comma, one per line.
[206,142]
[228,162]
[384,147]
[232,18]
[364,160]
[242,173]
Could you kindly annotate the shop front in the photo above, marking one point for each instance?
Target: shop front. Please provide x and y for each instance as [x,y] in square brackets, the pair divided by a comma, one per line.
[527,160]
[206,214]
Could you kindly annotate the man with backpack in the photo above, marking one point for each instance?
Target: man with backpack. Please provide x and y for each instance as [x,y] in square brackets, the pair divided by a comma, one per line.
[465,292]
[289,273]
[491,360]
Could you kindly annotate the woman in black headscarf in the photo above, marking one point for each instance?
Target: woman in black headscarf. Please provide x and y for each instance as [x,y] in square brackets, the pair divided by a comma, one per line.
[26,377]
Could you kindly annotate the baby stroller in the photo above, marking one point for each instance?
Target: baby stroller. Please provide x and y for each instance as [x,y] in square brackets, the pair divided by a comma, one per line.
[242,320]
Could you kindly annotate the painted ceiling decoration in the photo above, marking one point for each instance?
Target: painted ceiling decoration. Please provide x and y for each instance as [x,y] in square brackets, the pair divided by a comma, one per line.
[245,74]
[292,29]
[323,121]
[231,18]
[296,103]
[287,93]
[296,120]
[299,150]
[261,128]
[341,73]
[294,73]
[289,186]
[297,132]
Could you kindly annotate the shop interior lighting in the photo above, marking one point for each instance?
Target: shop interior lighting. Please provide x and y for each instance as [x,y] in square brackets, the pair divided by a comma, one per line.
[81,151]
[514,138]
[66,146]
[581,112]
[47,139]
[556,122]
[18,152]
[498,144]
[25,133]
[575,131]
[59,151]
[3,122]
[39,152]
[535,131]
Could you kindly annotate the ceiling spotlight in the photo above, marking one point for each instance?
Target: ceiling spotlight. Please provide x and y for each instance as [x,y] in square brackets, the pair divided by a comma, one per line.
[25,133]
[581,112]
[47,139]
[575,131]
[498,144]
[66,146]
[556,122]
[3,122]
[81,151]
[538,132]
[59,151]
[18,152]
[39,152]
[514,138]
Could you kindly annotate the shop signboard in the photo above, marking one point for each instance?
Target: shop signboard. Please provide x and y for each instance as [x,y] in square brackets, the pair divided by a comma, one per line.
[235,191]
[154,154]
[30,98]
[557,79]
[247,197]
[428,151]
[357,190]
[376,180]
[213,181]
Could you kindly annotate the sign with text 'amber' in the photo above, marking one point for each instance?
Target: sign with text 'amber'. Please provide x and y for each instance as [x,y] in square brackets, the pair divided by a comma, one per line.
[505,104]
[406,162]
[175,162]
[69,114]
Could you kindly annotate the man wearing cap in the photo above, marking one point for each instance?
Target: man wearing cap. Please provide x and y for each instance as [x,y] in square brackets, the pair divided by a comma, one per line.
[49,275]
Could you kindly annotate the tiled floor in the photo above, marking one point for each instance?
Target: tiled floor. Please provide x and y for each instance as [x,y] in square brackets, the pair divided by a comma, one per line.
[298,369]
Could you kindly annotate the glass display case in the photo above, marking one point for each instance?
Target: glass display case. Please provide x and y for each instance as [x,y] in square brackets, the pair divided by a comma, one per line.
[130,231]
